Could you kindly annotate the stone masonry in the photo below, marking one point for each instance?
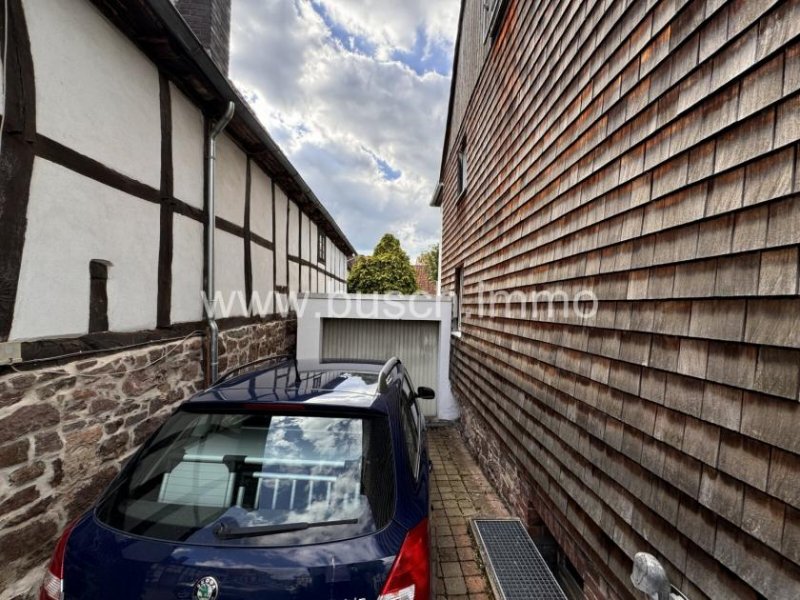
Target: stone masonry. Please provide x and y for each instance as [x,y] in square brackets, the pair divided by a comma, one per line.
[66,429]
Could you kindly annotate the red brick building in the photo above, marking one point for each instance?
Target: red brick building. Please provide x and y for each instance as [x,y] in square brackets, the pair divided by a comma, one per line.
[424,282]
[644,154]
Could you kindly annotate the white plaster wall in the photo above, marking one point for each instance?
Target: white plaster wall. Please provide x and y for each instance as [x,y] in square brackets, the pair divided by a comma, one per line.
[294,277]
[281,201]
[262,273]
[230,180]
[314,282]
[330,256]
[402,308]
[313,233]
[305,276]
[260,203]
[229,273]
[294,229]
[187,149]
[337,254]
[95,91]
[305,226]
[71,221]
[187,270]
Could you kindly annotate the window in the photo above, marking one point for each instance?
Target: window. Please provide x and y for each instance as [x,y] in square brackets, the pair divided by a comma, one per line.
[462,168]
[322,247]
[568,576]
[491,16]
[98,296]
[459,296]
[256,469]
[410,419]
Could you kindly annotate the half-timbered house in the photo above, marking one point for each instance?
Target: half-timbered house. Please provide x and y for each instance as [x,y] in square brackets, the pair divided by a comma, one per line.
[105,247]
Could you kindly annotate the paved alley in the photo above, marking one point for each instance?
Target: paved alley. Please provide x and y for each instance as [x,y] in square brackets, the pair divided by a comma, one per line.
[460,492]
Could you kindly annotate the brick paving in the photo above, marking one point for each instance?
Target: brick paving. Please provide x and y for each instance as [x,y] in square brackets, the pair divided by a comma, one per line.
[460,493]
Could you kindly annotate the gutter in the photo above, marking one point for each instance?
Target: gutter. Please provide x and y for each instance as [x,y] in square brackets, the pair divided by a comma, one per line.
[211,228]
[436,199]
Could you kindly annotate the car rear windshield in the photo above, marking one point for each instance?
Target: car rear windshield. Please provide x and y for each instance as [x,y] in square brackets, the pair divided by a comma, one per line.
[223,479]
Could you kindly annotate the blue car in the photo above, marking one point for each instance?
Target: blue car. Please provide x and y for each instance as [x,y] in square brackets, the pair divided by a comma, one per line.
[294,482]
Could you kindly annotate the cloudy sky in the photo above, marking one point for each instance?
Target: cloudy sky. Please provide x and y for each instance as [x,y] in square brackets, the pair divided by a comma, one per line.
[355,92]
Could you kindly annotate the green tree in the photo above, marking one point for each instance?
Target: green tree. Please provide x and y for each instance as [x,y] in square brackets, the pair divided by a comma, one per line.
[430,260]
[387,270]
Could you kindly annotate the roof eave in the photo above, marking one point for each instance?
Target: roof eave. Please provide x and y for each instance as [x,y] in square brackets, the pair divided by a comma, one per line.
[180,55]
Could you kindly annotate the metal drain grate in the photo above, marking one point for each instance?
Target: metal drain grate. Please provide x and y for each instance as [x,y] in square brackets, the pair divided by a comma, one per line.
[515,566]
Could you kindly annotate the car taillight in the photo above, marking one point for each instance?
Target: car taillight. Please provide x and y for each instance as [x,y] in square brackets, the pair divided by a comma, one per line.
[53,582]
[409,578]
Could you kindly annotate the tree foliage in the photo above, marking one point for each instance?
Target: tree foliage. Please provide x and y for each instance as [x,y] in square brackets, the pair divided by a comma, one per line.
[387,270]
[430,260]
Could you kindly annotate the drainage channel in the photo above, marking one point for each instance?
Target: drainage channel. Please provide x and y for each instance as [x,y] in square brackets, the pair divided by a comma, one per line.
[515,566]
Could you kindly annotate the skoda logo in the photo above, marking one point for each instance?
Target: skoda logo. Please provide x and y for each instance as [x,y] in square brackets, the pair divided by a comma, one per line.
[206,588]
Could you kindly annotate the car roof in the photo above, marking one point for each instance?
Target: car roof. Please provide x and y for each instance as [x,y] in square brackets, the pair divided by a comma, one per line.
[348,385]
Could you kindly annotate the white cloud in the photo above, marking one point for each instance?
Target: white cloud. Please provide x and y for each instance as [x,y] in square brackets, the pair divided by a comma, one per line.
[394,24]
[338,112]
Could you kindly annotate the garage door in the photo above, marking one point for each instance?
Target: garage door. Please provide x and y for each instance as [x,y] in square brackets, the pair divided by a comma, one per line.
[413,342]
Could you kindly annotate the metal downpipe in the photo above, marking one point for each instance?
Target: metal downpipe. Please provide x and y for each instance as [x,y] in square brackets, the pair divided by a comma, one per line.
[213,328]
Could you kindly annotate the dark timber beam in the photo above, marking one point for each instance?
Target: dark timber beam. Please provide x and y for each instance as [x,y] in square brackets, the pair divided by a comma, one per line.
[16,160]
[165,245]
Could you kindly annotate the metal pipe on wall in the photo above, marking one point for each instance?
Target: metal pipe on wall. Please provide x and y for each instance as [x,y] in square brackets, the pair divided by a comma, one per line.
[213,328]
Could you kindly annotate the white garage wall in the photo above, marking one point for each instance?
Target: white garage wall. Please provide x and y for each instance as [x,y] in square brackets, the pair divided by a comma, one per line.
[260,203]
[95,91]
[187,149]
[385,313]
[53,291]
[230,179]
[187,270]
[229,265]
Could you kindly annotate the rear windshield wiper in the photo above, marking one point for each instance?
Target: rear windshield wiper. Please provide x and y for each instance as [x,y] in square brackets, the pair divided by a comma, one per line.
[227,532]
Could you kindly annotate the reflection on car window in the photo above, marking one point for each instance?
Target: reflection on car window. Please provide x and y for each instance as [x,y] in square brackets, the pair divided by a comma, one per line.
[250,470]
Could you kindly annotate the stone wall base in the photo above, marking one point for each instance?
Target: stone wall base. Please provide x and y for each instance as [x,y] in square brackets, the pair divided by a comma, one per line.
[66,429]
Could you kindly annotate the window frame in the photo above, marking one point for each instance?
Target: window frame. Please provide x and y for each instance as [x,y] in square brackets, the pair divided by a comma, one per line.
[456,320]
[492,12]
[462,169]
[408,400]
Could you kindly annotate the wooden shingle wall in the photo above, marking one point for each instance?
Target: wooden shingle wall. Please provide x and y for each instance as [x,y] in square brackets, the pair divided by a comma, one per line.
[646,151]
